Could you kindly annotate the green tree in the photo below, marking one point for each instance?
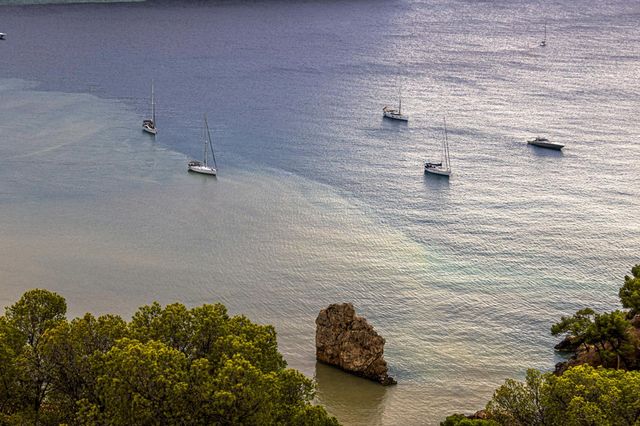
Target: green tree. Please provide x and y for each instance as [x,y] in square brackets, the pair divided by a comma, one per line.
[171,325]
[209,325]
[314,415]
[518,403]
[610,334]
[576,327]
[462,420]
[170,365]
[207,331]
[584,395]
[255,343]
[141,383]
[12,394]
[68,349]
[36,312]
[630,291]
[245,395]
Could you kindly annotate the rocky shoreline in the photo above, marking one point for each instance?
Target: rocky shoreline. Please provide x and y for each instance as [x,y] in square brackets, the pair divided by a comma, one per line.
[585,354]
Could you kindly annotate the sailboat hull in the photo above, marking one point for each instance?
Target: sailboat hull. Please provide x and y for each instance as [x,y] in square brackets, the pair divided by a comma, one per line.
[396,116]
[150,130]
[203,170]
[437,171]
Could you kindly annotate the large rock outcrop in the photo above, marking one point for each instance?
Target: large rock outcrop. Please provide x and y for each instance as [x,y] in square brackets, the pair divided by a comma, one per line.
[349,342]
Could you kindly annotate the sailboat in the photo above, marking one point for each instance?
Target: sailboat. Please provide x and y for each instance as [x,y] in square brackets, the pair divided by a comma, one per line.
[443,167]
[543,43]
[203,167]
[395,114]
[149,126]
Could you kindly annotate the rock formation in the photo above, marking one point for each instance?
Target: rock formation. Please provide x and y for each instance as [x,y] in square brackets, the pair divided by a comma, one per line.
[349,342]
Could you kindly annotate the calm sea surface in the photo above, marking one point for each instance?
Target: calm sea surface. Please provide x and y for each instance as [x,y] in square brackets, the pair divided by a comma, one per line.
[320,200]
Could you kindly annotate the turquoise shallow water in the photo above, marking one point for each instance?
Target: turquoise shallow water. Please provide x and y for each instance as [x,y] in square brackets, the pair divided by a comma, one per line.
[319,200]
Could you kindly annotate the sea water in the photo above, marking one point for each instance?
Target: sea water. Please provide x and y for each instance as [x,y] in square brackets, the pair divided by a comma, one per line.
[318,199]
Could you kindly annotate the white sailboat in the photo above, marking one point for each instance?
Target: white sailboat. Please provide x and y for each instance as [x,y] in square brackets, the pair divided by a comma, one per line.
[543,43]
[395,114]
[203,166]
[442,168]
[149,126]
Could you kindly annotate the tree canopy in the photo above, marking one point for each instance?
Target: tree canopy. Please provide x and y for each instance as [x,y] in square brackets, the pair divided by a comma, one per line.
[168,365]
[630,291]
[604,393]
[611,335]
[583,395]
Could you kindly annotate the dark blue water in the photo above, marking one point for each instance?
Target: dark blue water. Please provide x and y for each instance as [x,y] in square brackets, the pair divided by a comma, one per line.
[463,275]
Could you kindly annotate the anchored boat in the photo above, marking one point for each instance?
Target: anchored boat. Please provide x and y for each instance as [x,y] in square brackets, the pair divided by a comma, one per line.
[203,166]
[442,168]
[149,126]
[545,143]
[395,114]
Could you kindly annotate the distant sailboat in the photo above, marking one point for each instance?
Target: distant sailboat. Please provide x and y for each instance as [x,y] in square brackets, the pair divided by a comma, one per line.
[149,126]
[204,167]
[543,43]
[395,114]
[442,168]
[3,36]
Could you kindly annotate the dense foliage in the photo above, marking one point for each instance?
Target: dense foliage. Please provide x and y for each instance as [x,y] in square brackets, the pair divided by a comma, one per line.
[462,420]
[583,395]
[169,365]
[610,335]
[630,291]
[604,393]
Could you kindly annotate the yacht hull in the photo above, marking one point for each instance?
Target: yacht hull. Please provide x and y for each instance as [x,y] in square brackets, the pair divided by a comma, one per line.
[548,145]
[203,170]
[398,117]
[441,172]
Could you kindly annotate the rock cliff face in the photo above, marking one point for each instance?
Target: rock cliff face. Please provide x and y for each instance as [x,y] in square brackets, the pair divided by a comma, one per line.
[349,342]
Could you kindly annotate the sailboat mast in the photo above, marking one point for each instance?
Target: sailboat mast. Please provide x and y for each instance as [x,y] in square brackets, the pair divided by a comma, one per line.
[213,154]
[153,105]
[446,146]
[204,143]
[400,100]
